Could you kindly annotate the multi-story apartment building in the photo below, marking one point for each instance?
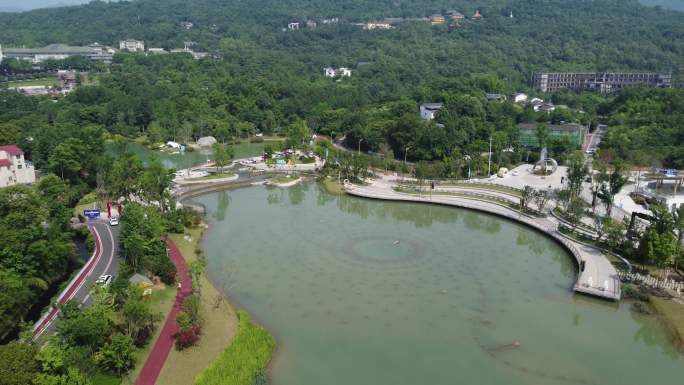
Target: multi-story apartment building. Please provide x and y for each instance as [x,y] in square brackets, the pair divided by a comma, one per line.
[603,82]
[14,169]
[132,45]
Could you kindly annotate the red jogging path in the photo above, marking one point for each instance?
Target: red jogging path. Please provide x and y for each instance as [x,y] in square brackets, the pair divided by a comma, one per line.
[155,361]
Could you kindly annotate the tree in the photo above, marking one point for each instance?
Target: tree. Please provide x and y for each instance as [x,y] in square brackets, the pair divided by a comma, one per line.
[542,133]
[577,171]
[18,365]
[541,198]
[525,197]
[656,248]
[297,133]
[155,183]
[118,355]
[575,211]
[136,312]
[222,156]
[598,178]
[65,160]
[90,327]
[125,178]
[616,180]
[679,226]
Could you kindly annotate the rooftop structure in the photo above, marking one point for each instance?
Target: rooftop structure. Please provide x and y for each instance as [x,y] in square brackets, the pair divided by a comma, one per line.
[429,110]
[519,97]
[331,72]
[156,51]
[477,15]
[186,24]
[572,131]
[293,26]
[14,169]
[132,45]
[455,15]
[496,97]
[437,19]
[603,82]
[377,25]
[57,52]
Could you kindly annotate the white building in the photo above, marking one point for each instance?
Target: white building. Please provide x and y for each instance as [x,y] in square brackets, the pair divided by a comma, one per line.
[293,26]
[331,72]
[519,97]
[14,169]
[132,45]
[429,110]
[157,51]
[57,52]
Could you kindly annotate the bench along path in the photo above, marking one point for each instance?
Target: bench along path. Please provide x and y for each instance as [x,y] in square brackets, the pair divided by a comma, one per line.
[599,278]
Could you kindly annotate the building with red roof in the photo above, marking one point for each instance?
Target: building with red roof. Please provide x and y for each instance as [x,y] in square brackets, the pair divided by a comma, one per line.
[14,169]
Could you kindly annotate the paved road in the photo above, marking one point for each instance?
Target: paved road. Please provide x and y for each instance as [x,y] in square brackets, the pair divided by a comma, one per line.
[155,361]
[105,260]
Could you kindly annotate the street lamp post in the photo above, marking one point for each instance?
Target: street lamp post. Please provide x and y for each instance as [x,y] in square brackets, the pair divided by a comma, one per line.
[467,157]
[360,140]
[489,163]
[406,153]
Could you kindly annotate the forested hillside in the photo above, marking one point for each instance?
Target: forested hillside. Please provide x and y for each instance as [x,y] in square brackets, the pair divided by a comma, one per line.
[266,79]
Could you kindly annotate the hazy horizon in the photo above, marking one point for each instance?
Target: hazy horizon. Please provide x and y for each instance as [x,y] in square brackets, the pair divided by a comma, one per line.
[25,5]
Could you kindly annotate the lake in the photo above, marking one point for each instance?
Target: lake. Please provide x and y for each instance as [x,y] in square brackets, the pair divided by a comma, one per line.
[369,292]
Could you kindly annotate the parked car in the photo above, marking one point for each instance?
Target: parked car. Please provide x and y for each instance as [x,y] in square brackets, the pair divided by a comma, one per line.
[104,280]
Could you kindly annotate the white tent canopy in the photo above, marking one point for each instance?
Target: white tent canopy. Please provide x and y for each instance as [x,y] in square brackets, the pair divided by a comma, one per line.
[206,141]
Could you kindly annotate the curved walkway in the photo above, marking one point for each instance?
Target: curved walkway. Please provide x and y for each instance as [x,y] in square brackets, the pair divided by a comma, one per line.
[598,278]
[155,361]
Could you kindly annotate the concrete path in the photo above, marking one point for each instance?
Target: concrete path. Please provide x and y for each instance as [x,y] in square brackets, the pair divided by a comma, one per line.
[155,361]
[599,277]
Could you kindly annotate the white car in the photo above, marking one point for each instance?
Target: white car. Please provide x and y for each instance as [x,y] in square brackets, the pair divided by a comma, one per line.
[104,280]
[515,173]
[113,221]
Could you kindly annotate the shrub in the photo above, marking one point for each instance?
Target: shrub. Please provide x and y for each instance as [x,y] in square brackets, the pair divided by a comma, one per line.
[141,336]
[188,337]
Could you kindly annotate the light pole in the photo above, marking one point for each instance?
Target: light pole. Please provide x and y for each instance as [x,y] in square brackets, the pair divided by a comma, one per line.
[406,153]
[489,162]
[467,157]
[360,140]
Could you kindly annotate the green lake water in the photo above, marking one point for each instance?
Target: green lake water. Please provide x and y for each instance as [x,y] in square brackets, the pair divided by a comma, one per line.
[180,161]
[369,292]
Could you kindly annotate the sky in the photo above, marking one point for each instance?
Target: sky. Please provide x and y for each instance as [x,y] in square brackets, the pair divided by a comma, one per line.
[23,5]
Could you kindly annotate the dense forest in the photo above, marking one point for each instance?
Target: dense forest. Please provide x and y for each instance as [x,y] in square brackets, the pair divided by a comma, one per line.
[264,79]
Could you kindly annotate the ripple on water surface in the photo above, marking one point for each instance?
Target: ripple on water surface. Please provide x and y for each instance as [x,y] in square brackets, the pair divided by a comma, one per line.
[369,292]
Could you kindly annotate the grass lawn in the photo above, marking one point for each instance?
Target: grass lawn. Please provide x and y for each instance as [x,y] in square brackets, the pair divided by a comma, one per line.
[215,176]
[161,302]
[218,330]
[673,313]
[332,187]
[282,179]
[50,82]
[105,379]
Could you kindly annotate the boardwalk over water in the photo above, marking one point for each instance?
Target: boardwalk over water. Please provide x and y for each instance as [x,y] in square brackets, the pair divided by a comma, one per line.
[599,278]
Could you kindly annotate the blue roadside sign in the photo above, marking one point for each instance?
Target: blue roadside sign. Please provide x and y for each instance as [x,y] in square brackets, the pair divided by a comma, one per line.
[91,214]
